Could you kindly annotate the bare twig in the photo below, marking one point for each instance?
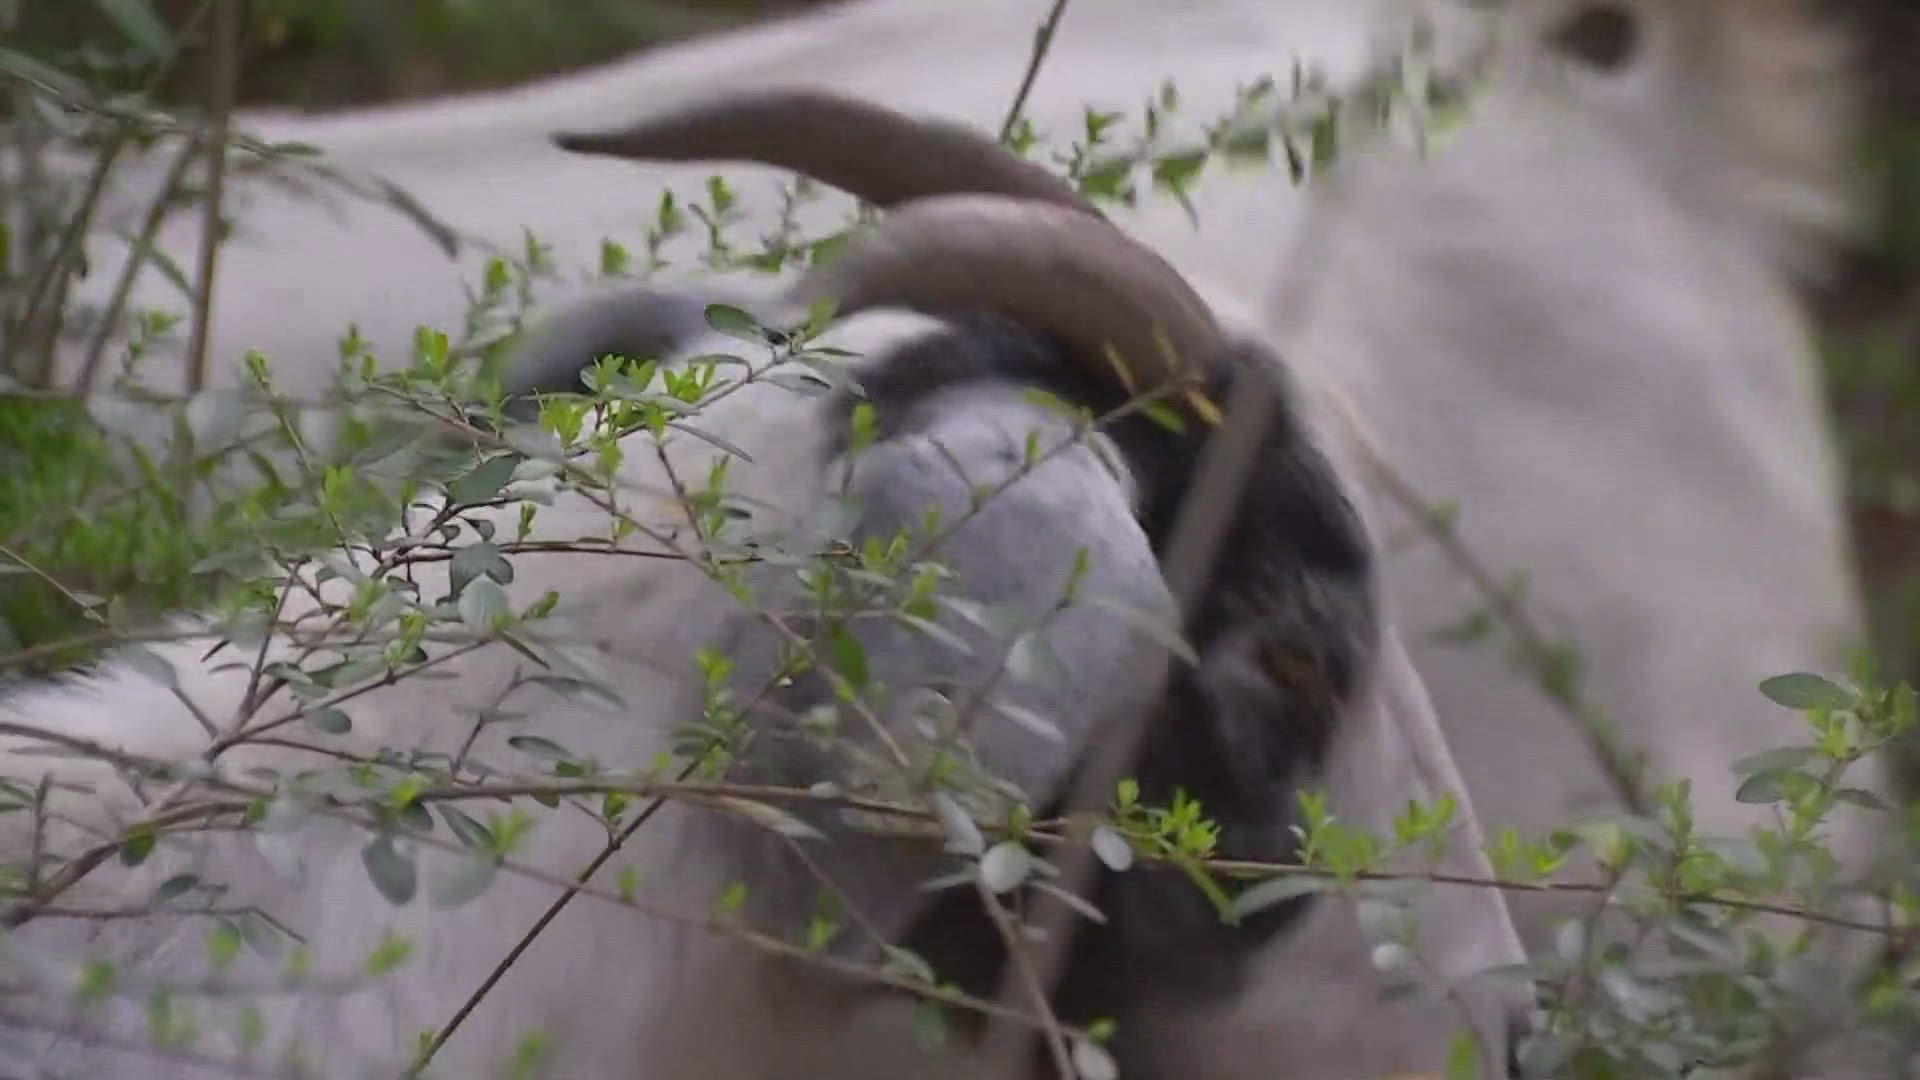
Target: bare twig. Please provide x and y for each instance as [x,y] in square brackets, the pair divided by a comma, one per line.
[1042,44]
[527,939]
[229,24]
[1225,467]
[1537,650]
[137,256]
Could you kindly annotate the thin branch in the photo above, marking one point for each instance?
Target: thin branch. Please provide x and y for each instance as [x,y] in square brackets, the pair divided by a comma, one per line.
[1225,468]
[1537,649]
[229,25]
[539,926]
[140,251]
[1042,45]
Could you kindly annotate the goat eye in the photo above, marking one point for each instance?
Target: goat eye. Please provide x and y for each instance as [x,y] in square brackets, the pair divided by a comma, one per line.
[1603,36]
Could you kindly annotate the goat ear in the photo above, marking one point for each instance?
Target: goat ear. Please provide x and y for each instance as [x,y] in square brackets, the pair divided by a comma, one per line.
[642,322]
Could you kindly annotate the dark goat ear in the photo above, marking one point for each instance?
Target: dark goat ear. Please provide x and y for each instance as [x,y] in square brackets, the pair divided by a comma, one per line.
[643,322]
[1604,35]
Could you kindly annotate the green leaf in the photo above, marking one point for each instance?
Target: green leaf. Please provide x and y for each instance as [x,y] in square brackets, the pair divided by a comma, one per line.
[139,24]
[1785,757]
[174,887]
[471,832]
[1861,797]
[136,847]
[1030,720]
[538,747]
[848,658]
[1164,415]
[483,604]
[392,873]
[771,818]
[390,953]
[1275,890]
[475,561]
[152,665]
[1005,866]
[963,835]
[1763,787]
[1092,1061]
[1113,849]
[1153,626]
[735,323]
[461,880]
[330,721]
[484,481]
[1463,1058]
[1802,691]
[223,944]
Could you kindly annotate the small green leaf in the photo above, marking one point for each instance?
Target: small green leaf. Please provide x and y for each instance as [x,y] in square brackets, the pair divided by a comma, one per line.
[1113,849]
[538,747]
[223,944]
[329,721]
[471,832]
[390,953]
[1861,797]
[174,887]
[1802,691]
[1005,866]
[963,835]
[459,881]
[484,481]
[1030,720]
[1763,787]
[136,847]
[152,665]
[849,658]
[475,561]
[771,818]
[735,323]
[1092,1061]
[391,872]
[1155,627]
[1463,1058]
[1275,890]
[1785,757]
[484,604]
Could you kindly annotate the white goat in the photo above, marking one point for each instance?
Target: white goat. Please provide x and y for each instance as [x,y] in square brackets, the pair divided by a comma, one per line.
[1579,307]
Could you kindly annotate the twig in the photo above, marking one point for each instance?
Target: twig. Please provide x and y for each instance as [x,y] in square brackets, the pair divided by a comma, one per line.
[229,23]
[72,238]
[1225,467]
[1042,45]
[51,581]
[527,939]
[140,251]
[1601,735]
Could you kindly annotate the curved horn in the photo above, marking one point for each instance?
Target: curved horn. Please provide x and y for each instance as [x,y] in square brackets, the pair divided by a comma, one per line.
[1050,268]
[877,154]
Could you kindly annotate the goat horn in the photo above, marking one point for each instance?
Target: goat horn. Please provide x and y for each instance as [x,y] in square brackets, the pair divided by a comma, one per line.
[1050,268]
[879,155]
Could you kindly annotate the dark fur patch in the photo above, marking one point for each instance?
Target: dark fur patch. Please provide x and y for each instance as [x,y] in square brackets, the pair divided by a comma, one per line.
[1284,630]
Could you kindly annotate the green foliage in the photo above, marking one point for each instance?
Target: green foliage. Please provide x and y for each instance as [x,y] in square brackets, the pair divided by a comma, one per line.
[61,469]
[342,53]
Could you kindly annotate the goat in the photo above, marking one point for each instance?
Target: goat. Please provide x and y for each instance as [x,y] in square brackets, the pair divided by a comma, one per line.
[1579,302]
[1597,270]
[980,299]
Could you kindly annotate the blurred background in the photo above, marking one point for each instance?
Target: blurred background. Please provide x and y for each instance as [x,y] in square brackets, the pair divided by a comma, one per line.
[330,54]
